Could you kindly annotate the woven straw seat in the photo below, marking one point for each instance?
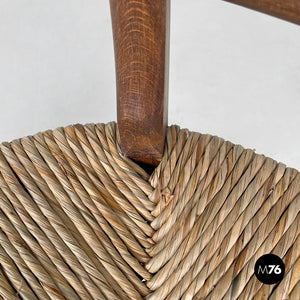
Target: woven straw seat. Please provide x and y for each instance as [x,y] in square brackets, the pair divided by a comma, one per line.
[80,221]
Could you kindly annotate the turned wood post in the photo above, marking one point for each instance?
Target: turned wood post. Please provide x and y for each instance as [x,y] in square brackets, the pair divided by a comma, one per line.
[141,42]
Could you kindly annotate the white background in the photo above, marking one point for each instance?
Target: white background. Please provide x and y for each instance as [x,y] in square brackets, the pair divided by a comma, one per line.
[234,73]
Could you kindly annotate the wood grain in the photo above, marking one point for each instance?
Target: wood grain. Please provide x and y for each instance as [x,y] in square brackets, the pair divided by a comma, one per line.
[141,42]
[288,10]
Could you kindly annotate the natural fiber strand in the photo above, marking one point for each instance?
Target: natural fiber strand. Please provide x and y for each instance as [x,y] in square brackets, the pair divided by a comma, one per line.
[81,221]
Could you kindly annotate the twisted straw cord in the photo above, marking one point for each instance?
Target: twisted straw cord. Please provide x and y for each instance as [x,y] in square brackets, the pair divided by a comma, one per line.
[39,163]
[285,286]
[42,248]
[53,218]
[80,221]
[101,222]
[240,233]
[194,190]
[6,290]
[15,276]
[26,272]
[56,217]
[161,277]
[193,236]
[121,188]
[103,207]
[243,271]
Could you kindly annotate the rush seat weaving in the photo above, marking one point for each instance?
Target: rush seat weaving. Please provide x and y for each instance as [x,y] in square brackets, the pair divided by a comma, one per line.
[80,221]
